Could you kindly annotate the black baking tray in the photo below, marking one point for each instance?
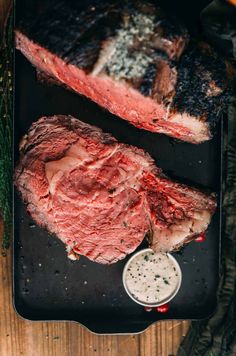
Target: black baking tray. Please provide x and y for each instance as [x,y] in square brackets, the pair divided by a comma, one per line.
[47,285]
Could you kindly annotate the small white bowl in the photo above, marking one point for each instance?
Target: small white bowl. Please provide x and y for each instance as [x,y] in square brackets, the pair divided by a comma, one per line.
[160,302]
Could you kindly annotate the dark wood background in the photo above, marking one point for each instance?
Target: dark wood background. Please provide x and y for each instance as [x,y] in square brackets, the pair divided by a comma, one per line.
[21,337]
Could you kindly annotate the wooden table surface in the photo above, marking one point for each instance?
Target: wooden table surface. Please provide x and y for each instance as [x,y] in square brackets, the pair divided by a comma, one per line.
[21,337]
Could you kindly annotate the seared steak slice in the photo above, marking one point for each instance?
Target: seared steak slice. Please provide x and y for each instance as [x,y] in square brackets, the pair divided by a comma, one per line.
[131,59]
[127,57]
[101,197]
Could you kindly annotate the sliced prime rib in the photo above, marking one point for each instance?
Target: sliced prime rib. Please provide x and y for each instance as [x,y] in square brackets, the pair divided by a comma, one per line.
[130,58]
[102,197]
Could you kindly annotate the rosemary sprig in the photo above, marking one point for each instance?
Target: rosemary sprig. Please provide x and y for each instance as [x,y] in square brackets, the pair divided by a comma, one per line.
[6,124]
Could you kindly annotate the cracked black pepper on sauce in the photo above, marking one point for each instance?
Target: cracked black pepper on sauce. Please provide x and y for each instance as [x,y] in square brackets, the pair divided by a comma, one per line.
[152,277]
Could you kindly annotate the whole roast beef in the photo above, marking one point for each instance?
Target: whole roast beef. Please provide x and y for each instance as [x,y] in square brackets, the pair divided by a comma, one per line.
[101,197]
[132,59]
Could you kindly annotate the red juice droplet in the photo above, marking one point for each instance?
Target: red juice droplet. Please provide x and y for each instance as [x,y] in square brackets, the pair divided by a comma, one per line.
[201,237]
[163,308]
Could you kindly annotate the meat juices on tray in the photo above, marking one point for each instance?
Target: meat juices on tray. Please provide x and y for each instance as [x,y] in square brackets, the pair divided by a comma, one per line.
[102,197]
[130,58]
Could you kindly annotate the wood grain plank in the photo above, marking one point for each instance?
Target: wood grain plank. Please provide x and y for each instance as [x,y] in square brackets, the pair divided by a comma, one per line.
[100,345]
[163,338]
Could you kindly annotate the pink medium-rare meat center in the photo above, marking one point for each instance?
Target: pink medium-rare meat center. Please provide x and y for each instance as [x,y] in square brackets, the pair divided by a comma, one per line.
[101,197]
[96,203]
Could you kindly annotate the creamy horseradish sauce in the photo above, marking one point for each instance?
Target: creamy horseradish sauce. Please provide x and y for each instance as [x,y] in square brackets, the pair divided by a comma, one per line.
[152,278]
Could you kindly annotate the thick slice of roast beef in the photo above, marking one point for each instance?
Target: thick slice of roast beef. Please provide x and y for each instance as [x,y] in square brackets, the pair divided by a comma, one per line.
[126,56]
[101,197]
